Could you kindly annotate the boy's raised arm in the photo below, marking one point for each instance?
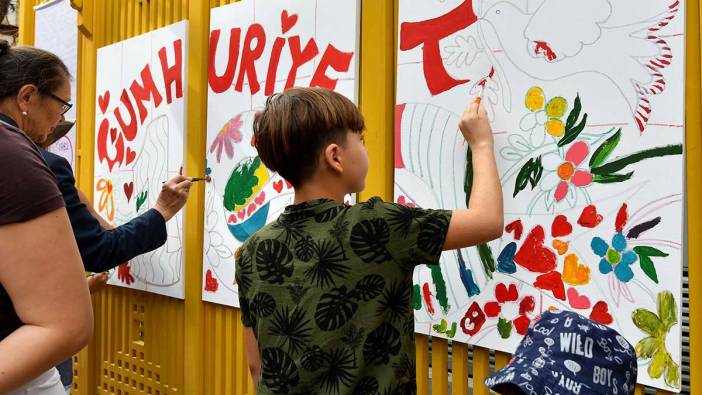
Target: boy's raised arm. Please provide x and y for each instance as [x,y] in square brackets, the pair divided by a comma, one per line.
[483,220]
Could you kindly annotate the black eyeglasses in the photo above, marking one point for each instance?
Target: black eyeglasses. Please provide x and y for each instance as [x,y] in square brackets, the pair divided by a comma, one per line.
[65,105]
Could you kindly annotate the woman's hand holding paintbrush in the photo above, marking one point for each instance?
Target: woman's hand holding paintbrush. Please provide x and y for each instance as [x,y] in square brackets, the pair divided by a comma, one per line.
[173,196]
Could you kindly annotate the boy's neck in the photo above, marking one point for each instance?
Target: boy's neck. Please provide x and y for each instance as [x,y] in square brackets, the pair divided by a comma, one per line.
[311,191]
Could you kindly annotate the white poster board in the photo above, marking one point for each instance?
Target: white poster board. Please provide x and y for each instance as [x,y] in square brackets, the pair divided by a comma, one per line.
[586,102]
[140,137]
[55,30]
[252,43]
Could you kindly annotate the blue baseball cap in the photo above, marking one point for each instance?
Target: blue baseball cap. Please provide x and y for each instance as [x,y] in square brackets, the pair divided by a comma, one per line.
[564,353]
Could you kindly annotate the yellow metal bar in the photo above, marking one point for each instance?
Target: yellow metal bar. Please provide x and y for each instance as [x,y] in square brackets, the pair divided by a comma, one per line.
[26,22]
[693,156]
[459,369]
[422,346]
[501,359]
[439,366]
[197,57]
[481,370]
[377,94]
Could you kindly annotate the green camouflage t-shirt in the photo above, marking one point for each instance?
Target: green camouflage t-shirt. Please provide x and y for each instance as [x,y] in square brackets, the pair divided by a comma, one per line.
[327,289]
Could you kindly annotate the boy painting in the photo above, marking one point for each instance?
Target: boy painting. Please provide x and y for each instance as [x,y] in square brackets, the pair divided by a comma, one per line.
[326,289]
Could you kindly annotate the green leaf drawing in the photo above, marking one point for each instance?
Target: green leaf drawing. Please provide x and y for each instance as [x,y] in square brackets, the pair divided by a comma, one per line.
[440,286]
[574,113]
[611,178]
[441,328]
[605,149]
[487,259]
[241,184]
[657,327]
[416,297]
[530,173]
[622,162]
[468,182]
[141,199]
[452,332]
[648,268]
[504,327]
[572,131]
[667,310]
[645,253]
[647,321]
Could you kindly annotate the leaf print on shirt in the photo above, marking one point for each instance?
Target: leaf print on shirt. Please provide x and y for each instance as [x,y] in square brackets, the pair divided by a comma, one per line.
[432,234]
[401,217]
[380,344]
[292,327]
[353,337]
[313,359]
[278,370]
[273,261]
[338,370]
[335,308]
[329,214]
[304,249]
[367,386]
[369,287]
[395,301]
[262,305]
[329,264]
[369,240]
[291,227]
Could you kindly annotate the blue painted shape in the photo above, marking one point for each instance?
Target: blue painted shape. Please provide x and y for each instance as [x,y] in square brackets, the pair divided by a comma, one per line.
[244,230]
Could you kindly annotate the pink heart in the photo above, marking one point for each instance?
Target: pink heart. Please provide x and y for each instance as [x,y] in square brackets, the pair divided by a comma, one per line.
[260,198]
[251,209]
[232,219]
[578,301]
[241,214]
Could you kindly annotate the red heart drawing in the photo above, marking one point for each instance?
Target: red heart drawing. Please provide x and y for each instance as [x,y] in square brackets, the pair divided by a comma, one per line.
[553,282]
[589,217]
[578,301]
[278,186]
[113,134]
[252,208]
[131,155]
[561,226]
[253,141]
[533,255]
[241,214]
[211,283]
[260,198]
[288,184]
[104,101]
[232,219]
[287,21]
[515,227]
[600,313]
[128,190]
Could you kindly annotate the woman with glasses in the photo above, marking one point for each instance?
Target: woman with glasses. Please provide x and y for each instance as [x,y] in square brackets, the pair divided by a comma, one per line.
[45,312]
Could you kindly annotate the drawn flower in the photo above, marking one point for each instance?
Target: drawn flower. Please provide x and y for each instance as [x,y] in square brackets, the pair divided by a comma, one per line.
[231,131]
[653,347]
[511,314]
[564,172]
[555,109]
[615,258]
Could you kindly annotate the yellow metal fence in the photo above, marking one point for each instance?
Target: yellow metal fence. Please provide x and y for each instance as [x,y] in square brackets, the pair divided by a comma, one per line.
[150,344]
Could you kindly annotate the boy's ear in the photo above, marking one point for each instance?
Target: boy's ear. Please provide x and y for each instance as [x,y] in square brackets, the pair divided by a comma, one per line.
[332,157]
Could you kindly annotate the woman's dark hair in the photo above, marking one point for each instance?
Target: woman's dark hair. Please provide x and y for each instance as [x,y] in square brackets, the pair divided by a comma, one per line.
[21,66]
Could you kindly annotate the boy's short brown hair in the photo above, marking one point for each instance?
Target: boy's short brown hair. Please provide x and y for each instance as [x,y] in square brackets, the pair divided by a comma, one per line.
[297,125]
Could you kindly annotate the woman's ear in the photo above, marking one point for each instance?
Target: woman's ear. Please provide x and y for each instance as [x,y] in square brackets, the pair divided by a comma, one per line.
[25,97]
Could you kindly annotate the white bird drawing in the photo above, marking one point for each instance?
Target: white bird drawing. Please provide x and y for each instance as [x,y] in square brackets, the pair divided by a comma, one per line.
[553,39]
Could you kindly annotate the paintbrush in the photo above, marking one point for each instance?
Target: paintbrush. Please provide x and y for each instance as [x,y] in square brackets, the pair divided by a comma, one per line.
[195,179]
